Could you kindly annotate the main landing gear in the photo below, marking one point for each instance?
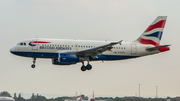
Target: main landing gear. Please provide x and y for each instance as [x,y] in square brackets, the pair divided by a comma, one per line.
[34,61]
[87,67]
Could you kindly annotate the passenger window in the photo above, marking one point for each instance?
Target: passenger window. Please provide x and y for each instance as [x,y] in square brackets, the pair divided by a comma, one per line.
[24,44]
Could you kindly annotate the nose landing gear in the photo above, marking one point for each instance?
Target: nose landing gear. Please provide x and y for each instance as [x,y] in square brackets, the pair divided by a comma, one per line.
[34,61]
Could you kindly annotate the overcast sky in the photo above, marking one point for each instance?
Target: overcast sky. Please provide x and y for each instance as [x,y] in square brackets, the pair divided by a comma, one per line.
[89,20]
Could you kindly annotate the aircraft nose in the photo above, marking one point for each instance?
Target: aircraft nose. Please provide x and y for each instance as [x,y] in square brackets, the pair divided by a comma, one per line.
[12,49]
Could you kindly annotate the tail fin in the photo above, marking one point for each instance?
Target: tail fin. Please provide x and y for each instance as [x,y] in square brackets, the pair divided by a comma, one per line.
[152,35]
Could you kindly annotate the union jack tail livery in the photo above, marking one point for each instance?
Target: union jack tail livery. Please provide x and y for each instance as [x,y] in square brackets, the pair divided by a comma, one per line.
[152,35]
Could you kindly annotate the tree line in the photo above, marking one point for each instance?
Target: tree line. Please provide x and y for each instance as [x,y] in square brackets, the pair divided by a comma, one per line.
[37,97]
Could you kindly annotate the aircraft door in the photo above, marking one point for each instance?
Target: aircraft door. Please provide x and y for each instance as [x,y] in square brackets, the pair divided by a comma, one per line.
[133,49]
[76,47]
[34,44]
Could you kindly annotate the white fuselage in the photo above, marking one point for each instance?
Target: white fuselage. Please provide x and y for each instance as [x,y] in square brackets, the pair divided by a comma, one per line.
[45,48]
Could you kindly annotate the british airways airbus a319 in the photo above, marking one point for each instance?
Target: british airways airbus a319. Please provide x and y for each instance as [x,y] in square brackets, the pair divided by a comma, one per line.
[68,52]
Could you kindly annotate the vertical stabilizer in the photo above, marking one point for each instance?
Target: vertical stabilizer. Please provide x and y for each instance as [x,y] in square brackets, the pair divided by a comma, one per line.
[152,35]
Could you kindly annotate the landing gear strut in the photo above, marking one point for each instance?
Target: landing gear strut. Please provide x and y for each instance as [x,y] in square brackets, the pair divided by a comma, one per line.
[83,68]
[87,67]
[34,61]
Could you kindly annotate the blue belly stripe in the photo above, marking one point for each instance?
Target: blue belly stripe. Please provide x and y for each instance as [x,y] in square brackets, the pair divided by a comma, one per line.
[55,55]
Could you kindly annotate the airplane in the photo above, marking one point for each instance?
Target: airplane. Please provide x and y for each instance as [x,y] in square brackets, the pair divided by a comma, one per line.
[92,98]
[3,98]
[79,99]
[69,51]
[89,99]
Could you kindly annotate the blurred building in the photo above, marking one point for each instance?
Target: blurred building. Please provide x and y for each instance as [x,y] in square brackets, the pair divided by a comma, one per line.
[168,99]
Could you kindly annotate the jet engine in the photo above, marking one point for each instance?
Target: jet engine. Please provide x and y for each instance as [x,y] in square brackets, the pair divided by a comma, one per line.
[65,59]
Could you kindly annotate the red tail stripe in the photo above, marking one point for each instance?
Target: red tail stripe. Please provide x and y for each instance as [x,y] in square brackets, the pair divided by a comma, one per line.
[164,49]
[159,24]
[147,41]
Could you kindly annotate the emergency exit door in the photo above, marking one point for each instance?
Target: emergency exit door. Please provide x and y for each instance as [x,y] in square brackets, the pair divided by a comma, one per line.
[133,49]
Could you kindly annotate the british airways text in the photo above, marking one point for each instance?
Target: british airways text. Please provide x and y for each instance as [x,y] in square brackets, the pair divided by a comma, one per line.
[53,47]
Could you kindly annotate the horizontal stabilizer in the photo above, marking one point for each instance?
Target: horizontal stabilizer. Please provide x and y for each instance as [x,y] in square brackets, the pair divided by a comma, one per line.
[156,48]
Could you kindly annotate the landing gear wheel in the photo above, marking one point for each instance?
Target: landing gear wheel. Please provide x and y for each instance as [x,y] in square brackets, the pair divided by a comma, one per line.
[88,67]
[83,68]
[34,61]
[33,65]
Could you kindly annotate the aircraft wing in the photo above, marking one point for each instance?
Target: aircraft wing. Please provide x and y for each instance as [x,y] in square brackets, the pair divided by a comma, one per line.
[96,50]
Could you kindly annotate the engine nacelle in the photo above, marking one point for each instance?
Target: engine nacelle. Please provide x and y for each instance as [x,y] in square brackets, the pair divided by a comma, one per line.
[66,59]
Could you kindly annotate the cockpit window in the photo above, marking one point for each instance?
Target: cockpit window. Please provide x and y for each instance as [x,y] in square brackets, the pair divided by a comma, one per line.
[22,44]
